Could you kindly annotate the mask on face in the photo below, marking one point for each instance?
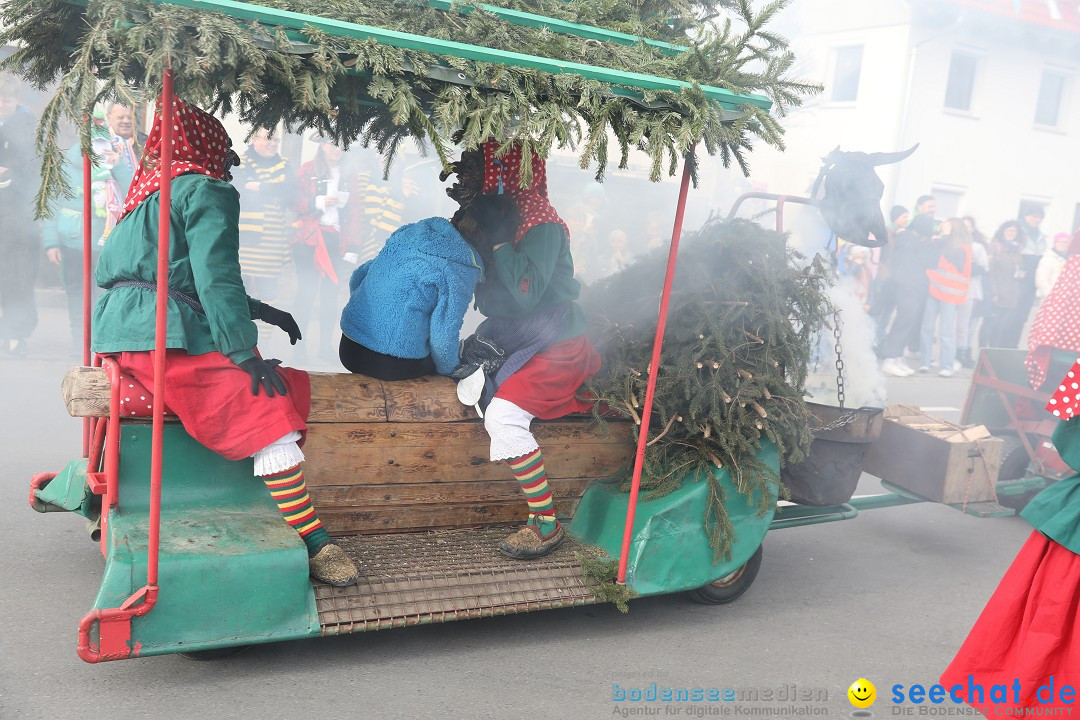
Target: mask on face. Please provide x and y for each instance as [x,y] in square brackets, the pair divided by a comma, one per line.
[470,177]
[231,160]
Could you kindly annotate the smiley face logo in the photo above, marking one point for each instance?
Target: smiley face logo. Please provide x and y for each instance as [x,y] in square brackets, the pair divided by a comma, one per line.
[862,693]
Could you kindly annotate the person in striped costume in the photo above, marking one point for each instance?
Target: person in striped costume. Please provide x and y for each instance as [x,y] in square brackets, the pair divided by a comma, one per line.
[383,210]
[267,185]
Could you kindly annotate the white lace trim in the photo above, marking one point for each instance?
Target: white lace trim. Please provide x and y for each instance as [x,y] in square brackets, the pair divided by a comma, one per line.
[509,448]
[278,457]
[508,426]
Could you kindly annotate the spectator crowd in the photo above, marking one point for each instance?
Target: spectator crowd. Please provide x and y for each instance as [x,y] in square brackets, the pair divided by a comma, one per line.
[303,226]
[939,290]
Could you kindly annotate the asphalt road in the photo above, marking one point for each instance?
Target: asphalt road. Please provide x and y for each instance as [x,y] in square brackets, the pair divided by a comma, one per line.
[888,596]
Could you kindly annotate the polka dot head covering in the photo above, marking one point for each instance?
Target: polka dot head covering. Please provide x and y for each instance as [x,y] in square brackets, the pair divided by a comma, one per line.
[502,175]
[1057,323]
[199,146]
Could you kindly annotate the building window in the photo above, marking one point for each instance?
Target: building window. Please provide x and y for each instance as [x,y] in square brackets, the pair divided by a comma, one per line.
[948,201]
[1026,205]
[847,66]
[961,84]
[1051,99]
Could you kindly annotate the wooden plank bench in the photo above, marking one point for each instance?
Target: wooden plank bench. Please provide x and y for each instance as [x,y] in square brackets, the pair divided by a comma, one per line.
[407,456]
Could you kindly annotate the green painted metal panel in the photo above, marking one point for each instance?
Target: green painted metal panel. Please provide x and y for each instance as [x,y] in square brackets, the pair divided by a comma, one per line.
[68,490]
[408,41]
[670,549]
[1022,486]
[802,515]
[231,571]
[526,19]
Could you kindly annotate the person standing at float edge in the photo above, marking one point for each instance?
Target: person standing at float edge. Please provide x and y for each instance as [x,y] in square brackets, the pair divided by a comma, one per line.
[214,372]
[1029,630]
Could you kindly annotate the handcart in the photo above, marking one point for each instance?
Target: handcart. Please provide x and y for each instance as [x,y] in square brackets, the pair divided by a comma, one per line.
[197,560]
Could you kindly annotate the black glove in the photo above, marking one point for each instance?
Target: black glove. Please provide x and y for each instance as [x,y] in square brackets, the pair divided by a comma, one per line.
[282,319]
[478,351]
[262,373]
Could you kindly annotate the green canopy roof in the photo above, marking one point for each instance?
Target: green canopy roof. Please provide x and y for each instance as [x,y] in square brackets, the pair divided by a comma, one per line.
[655,75]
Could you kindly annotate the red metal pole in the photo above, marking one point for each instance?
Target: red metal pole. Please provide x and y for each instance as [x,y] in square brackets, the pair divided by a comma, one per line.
[164,224]
[654,367]
[88,217]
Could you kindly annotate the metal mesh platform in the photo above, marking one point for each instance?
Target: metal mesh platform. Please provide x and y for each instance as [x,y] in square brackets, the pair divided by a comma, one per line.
[984,509]
[420,578]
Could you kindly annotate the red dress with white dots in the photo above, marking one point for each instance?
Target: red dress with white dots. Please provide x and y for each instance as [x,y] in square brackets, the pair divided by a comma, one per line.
[212,398]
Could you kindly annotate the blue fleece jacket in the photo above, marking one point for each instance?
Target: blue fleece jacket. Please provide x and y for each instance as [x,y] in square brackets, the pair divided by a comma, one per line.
[410,300]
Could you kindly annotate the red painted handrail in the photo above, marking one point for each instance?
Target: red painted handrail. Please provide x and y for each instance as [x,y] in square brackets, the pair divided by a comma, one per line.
[654,369]
[88,246]
[114,628]
[112,435]
[114,624]
[781,201]
[164,225]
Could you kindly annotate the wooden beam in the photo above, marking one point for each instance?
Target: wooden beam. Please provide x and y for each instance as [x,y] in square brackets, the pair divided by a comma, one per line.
[371,497]
[359,521]
[378,454]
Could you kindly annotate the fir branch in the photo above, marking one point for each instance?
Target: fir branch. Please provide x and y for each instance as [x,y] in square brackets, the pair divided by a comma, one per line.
[360,91]
[738,341]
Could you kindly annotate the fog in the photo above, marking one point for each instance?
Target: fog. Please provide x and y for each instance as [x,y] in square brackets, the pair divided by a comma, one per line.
[989,94]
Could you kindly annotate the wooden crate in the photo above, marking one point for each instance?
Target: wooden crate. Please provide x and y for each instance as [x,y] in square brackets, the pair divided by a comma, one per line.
[940,461]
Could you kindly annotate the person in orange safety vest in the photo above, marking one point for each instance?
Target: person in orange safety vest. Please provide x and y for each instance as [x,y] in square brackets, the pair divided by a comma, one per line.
[948,290]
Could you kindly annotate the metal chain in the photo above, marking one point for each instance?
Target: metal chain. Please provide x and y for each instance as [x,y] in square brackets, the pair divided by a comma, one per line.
[840,422]
[839,360]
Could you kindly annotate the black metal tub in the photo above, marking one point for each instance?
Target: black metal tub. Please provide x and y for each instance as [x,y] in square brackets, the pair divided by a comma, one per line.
[831,472]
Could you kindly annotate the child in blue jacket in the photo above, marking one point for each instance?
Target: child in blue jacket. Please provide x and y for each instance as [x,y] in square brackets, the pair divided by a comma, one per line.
[406,306]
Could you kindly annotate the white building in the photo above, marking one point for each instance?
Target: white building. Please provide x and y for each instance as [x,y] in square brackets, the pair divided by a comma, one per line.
[987,87]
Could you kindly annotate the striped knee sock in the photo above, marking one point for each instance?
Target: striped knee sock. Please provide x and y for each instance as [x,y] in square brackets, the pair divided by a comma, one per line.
[532,477]
[290,493]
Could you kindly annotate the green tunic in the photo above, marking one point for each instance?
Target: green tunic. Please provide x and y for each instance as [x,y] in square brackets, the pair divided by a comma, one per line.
[203,263]
[1055,512]
[536,275]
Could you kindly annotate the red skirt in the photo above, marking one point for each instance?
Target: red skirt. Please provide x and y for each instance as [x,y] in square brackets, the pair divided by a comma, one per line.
[547,385]
[1028,631]
[212,398]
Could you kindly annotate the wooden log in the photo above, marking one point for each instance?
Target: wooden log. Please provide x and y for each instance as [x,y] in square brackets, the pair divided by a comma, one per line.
[426,399]
[369,497]
[335,397]
[372,454]
[359,521]
[344,397]
[86,392]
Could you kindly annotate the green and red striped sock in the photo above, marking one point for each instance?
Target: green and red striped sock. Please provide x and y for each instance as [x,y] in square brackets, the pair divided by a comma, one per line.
[290,493]
[532,477]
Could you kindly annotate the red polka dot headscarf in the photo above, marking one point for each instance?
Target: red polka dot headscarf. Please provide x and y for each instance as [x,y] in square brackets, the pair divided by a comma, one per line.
[501,175]
[1065,402]
[1057,323]
[199,146]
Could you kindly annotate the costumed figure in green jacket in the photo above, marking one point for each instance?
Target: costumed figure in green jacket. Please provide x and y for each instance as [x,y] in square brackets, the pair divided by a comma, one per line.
[1024,650]
[213,372]
[528,297]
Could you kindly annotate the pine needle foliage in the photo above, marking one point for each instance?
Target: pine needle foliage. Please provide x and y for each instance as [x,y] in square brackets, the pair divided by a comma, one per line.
[362,91]
[743,314]
[600,574]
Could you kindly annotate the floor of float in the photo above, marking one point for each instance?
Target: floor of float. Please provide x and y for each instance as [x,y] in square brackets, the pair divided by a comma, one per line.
[443,575]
